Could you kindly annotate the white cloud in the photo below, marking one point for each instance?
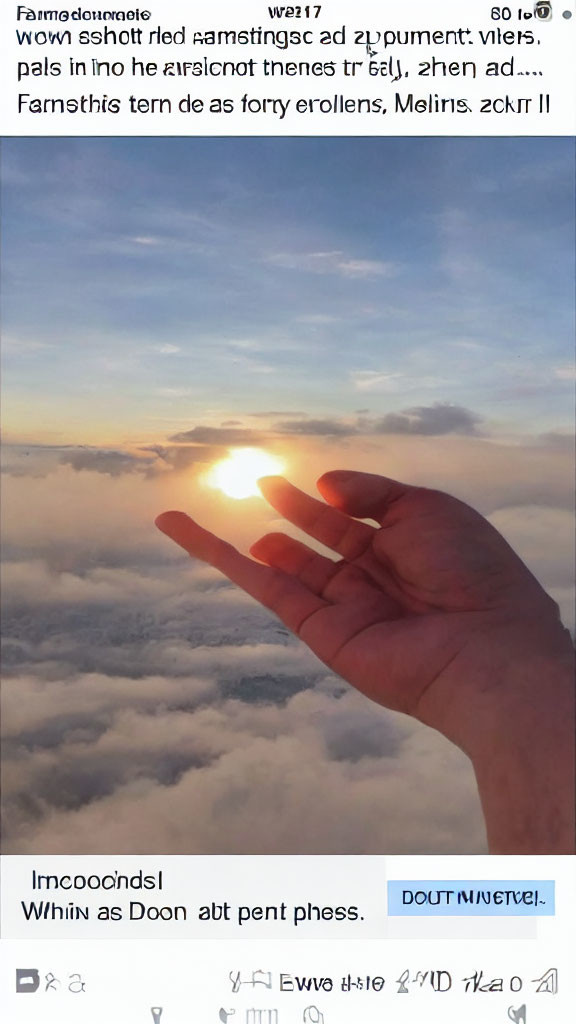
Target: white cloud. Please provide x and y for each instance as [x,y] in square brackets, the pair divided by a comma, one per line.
[334,262]
[23,346]
[468,345]
[35,583]
[366,268]
[318,319]
[567,372]
[386,382]
[545,537]
[167,350]
[31,703]
[263,781]
[173,393]
[151,708]
[374,380]
[145,240]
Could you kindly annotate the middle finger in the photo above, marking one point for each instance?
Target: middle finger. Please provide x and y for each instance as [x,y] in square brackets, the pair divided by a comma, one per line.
[349,537]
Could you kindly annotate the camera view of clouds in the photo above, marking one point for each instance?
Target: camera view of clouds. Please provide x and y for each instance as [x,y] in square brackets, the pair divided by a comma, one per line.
[402,306]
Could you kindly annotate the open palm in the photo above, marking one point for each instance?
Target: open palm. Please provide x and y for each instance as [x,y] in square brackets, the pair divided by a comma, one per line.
[398,613]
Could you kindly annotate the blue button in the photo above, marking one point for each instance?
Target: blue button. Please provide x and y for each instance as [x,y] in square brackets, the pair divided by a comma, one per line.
[471,899]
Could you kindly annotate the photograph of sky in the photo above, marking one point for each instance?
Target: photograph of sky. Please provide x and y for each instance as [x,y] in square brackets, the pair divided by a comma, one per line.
[401,306]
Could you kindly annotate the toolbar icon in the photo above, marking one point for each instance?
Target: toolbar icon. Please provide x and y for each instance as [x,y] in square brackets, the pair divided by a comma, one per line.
[401,982]
[548,982]
[76,985]
[312,1015]
[263,978]
[156,1012]
[27,980]
[261,1016]
[518,1016]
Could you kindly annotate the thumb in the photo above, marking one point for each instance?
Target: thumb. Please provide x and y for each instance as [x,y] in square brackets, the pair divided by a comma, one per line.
[363,495]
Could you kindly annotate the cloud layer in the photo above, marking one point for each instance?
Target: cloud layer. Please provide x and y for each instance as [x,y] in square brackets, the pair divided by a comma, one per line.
[149,706]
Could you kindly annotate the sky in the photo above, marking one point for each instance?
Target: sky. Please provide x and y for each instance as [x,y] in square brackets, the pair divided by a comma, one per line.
[200,279]
[396,305]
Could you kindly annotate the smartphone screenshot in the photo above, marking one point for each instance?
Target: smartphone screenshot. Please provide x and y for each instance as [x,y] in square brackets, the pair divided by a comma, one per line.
[287,335]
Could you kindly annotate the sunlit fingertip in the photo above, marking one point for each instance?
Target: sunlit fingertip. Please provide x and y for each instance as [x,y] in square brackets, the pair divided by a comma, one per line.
[270,481]
[264,545]
[337,476]
[167,522]
[273,488]
[332,485]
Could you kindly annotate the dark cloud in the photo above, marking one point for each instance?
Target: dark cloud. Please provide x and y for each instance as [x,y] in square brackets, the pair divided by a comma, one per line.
[156,449]
[12,469]
[318,428]
[218,435]
[156,459]
[441,418]
[28,448]
[182,457]
[112,463]
[31,460]
[201,445]
[558,441]
[361,736]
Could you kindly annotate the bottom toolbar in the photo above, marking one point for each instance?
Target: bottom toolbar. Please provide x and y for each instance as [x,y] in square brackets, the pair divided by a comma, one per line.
[279,983]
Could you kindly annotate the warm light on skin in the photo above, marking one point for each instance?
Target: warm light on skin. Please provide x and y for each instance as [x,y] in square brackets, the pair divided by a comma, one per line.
[238,474]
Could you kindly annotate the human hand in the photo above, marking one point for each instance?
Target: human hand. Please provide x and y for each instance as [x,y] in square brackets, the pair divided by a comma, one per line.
[424,614]
[433,614]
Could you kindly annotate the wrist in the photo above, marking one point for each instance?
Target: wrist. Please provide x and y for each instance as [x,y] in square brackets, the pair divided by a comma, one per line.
[508,701]
[522,748]
[508,675]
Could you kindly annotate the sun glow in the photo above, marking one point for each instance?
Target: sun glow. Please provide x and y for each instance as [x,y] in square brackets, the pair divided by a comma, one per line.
[237,475]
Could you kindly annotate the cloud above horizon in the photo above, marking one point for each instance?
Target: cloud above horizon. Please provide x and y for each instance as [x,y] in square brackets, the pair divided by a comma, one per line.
[218,435]
[112,463]
[432,421]
[201,444]
[317,428]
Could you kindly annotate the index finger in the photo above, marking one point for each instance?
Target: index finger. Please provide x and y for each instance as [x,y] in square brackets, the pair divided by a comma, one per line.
[280,592]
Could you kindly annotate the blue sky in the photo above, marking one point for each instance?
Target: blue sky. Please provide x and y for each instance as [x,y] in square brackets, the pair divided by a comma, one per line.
[154,283]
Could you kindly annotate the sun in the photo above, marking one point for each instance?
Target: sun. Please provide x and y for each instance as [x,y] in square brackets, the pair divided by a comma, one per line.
[237,475]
